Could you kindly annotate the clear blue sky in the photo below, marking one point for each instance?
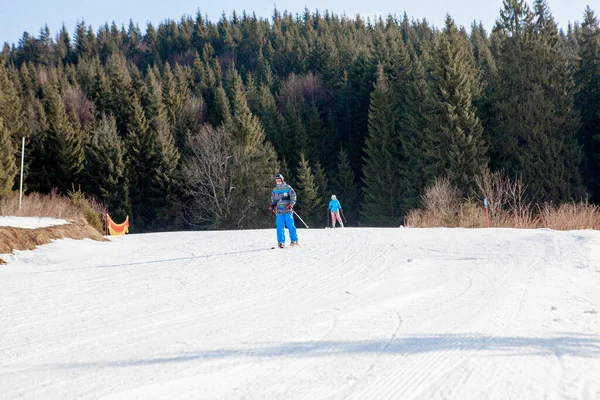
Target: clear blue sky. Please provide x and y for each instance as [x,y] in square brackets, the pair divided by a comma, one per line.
[17,17]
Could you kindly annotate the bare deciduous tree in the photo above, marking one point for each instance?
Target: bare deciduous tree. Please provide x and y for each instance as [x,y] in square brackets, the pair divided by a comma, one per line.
[210,172]
[502,193]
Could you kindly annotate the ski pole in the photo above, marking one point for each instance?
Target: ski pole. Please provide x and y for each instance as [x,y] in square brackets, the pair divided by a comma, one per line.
[342,211]
[327,217]
[300,218]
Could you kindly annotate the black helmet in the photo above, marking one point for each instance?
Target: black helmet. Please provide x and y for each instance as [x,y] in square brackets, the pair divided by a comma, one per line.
[279,176]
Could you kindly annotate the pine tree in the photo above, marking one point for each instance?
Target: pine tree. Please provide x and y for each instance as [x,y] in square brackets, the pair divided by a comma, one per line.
[246,125]
[164,189]
[527,112]
[294,136]
[175,91]
[323,192]
[141,160]
[120,88]
[412,126]
[258,158]
[65,154]
[36,153]
[319,146]
[64,49]
[345,188]
[221,111]
[307,192]
[453,135]
[587,100]
[83,43]
[11,110]
[284,170]
[8,167]
[105,174]
[382,170]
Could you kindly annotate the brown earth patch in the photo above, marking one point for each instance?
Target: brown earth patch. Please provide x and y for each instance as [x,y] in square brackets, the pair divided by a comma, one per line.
[28,239]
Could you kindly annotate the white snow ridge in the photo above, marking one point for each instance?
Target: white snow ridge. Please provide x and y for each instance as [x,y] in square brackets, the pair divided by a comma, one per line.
[350,314]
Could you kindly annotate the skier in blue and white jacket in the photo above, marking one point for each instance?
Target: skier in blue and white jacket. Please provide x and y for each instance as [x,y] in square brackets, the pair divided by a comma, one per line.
[283,199]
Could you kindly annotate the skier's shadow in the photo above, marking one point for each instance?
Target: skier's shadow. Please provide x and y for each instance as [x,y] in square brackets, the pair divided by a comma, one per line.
[229,253]
[166,260]
[574,345]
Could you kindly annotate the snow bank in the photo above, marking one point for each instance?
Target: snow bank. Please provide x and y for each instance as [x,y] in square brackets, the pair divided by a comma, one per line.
[30,222]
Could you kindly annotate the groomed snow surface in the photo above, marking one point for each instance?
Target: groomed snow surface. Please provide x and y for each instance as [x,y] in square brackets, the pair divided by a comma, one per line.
[350,314]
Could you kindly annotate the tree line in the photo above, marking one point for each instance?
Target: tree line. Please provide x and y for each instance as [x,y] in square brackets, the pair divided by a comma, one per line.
[183,125]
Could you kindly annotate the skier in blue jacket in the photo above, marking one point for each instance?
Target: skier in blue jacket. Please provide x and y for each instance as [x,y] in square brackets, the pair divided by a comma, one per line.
[334,208]
[283,199]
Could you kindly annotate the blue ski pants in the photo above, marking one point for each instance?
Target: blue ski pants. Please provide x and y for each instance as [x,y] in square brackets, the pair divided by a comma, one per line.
[281,222]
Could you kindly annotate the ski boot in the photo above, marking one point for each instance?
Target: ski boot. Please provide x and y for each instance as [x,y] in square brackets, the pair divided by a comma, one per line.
[294,244]
[281,245]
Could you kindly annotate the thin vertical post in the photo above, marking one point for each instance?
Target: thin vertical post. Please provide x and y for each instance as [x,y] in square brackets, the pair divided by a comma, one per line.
[22,165]
[487,219]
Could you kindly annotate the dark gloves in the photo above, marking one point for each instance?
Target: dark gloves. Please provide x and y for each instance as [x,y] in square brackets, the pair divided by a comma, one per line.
[272,207]
[290,206]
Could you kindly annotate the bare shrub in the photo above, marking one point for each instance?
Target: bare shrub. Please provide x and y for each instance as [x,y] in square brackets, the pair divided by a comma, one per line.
[296,88]
[442,199]
[492,186]
[442,206]
[93,211]
[421,219]
[470,215]
[78,106]
[502,194]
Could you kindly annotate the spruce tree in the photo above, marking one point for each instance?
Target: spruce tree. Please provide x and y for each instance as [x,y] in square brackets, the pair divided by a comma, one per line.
[453,135]
[382,177]
[323,193]
[105,174]
[11,111]
[8,167]
[587,100]
[120,88]
[256,157]
[141,161]
[345,188]
[270,118]
[221,111]
[65,153]
[412,127]
[36,153]
[527,112]
[164,190]
[307,192]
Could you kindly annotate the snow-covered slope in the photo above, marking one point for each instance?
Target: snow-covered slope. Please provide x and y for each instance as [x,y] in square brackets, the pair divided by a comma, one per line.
[350,314]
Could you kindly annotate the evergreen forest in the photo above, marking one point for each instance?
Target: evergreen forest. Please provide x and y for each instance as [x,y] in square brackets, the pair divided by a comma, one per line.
[183,125]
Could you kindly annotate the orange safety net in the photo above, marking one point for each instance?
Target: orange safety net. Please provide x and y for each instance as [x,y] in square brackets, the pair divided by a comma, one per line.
[117,229]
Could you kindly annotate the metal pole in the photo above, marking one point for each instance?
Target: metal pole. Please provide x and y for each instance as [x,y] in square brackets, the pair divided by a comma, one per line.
[300,218]
[22,163]
[343,216]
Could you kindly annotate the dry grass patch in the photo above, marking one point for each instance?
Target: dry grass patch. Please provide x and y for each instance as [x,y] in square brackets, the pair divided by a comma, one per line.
[83,222]
[27,239]
[443,206]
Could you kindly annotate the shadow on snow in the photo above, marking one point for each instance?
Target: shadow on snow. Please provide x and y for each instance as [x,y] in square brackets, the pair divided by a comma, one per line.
[580,345]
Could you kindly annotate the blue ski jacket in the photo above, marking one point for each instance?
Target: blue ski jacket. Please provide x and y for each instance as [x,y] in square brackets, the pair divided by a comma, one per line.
[281,196]
[334,205]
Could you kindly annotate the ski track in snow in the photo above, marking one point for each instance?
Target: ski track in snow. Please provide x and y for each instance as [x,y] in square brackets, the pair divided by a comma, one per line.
[350,314]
